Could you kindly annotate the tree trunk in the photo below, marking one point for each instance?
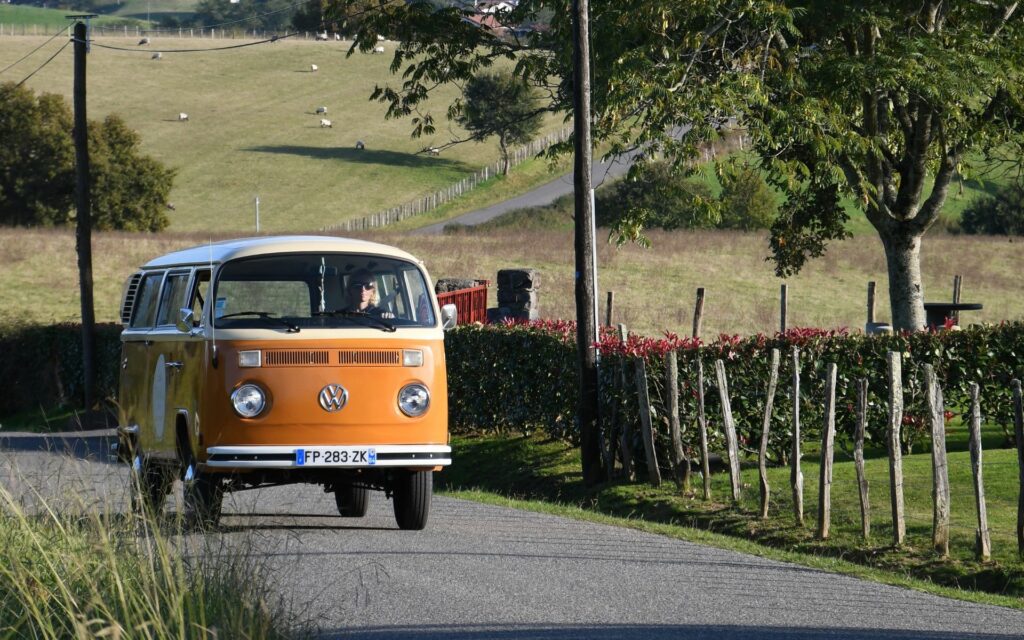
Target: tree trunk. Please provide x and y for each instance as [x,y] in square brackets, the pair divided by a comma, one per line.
[506,165]
[906,293]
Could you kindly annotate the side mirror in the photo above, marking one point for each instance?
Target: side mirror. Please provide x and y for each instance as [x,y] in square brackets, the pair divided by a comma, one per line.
[449,316]
[184,323]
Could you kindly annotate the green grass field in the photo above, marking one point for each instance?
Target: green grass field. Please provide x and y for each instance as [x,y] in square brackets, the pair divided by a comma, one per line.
[16,16]
[253,131]
[654,288]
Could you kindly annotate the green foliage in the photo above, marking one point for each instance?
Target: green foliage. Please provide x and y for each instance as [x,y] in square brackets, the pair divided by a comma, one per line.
[660,197]
[37,168]
[499,104]
[747,201]
[257,14]
[1001,213]
[42,365]
[505,377]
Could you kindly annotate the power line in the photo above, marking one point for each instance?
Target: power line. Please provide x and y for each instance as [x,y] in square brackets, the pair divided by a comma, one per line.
[48,61]
[234,46]
[32,51]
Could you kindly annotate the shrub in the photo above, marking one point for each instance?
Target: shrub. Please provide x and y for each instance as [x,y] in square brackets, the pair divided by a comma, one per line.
[659,198]
[999,214]
[747,201]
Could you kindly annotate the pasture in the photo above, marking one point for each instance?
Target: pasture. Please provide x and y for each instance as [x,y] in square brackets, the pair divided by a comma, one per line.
[654,288]
[35,19]
[253,131]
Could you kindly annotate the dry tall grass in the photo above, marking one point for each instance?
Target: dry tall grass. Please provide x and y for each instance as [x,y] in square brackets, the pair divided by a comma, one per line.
[654,288]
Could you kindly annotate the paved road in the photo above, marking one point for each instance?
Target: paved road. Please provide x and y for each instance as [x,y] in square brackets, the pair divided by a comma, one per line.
[481,571]
[542,195]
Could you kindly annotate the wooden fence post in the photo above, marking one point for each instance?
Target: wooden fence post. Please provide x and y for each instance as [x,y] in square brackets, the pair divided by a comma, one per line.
[858,457]
[608,309]
[940,468]
[871,302]
[783,306]
[730,431]
[828,437]
[895,370]
[702,426]
[982,540]
[647,429]
[796,475]
[680,464]
[698,312]
[625,437]
[1018,435]
[762,456]
[958,282]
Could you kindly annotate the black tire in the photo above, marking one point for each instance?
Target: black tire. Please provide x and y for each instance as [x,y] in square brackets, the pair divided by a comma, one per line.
[149,485]
[412,493]
[352,500]
[204,496]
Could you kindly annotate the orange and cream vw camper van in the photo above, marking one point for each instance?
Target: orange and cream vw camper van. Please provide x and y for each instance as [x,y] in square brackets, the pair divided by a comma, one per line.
[278,360]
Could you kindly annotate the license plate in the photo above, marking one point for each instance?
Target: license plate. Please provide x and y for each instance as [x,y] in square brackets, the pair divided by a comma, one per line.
[335,457]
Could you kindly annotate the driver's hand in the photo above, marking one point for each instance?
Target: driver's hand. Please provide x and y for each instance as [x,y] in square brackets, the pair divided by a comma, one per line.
[387,315]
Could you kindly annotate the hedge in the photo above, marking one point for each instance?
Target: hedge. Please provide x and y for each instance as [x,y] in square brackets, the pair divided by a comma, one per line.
[42,365]
[523,375]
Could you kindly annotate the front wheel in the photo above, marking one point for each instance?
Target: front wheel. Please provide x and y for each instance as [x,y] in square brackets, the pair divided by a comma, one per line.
[204,495]
[412,493]
[352,500]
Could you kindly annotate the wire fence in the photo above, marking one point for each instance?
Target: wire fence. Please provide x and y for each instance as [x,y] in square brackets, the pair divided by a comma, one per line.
[138,31]
[438,198]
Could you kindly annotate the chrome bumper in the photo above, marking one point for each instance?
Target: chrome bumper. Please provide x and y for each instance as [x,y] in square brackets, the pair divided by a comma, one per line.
[288,457]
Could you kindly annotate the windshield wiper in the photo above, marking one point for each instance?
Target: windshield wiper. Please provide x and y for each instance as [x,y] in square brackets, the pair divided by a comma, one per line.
[263,315]
[384,325]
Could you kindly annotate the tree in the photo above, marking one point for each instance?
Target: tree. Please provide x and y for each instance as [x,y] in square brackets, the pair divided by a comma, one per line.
[747,201]
[657,197]
[37,168]
[883,102]
[500,104]
[1000,213]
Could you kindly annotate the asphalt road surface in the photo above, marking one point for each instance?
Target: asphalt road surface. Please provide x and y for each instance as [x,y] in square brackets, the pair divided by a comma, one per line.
[481,571]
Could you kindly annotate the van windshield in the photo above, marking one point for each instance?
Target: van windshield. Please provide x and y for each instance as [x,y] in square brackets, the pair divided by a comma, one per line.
[296,291]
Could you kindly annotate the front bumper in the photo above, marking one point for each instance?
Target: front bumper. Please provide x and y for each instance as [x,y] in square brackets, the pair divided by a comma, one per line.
[300,456]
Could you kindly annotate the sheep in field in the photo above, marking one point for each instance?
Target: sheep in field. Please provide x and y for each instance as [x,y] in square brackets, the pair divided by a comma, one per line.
[325,123]
[183,117]
[434,151]
[321,111]
[143,41]
[313,68]
[378,49]
[157,55]
[321,36]
[360,145]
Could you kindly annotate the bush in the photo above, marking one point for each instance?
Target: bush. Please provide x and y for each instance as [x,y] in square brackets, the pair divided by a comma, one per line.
[999,214]
[747,201]
[659,198]
[524,375]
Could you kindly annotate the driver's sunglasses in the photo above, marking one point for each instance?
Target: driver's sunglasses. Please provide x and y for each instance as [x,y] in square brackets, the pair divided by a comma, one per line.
[362,285]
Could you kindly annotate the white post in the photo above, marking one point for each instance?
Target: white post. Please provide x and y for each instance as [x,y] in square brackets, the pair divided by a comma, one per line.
[257,214]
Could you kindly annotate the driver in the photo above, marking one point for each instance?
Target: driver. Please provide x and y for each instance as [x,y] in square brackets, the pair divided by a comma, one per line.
[362,295]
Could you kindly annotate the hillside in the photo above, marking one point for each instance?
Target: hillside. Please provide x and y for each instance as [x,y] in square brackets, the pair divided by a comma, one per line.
[252,128]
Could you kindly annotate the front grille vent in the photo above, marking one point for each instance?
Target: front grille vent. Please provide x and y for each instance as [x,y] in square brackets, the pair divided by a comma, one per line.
[370,358]
[296,358]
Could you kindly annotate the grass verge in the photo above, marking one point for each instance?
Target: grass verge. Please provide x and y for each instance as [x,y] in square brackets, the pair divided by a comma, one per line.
[536,473]
[97,575]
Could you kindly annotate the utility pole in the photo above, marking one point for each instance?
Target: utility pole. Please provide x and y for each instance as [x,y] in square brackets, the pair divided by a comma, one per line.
[586,316]
[83,214]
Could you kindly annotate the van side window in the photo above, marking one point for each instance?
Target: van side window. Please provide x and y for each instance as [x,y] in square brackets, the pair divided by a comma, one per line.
[145,307]
[200,292]
[173,297]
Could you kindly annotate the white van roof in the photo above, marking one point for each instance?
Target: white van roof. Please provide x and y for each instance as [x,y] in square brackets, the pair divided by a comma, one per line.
[218,252]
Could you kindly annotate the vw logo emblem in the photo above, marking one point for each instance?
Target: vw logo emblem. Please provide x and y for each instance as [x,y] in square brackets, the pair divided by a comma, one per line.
[333,398]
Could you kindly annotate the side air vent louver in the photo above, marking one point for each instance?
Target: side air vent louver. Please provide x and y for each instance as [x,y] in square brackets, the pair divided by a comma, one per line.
[296,358]
[370,358]
[131,290]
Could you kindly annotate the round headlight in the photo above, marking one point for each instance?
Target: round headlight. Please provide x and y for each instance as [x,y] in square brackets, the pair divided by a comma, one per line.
[248,400]
[414,399]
